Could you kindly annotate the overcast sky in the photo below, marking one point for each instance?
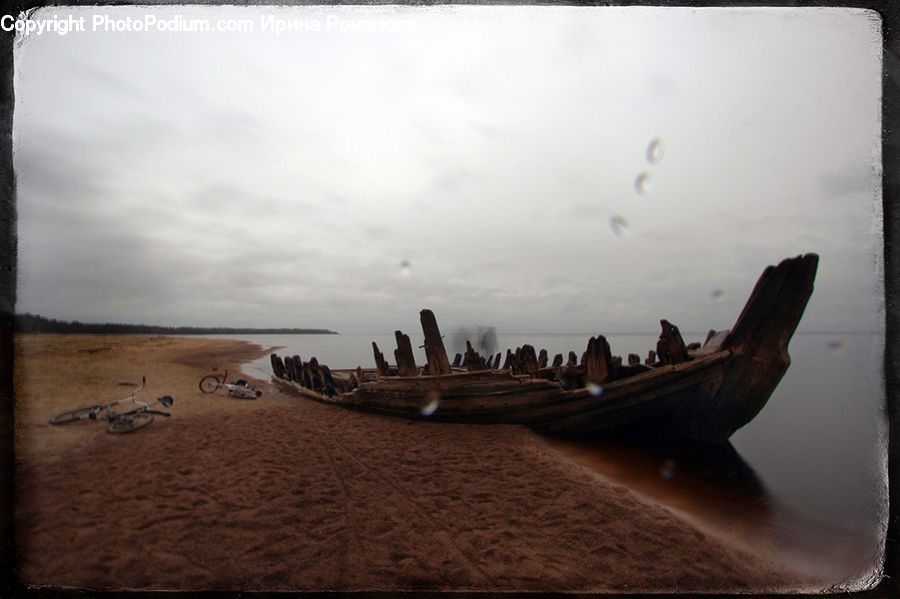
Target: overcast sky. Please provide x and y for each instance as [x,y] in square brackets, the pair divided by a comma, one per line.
[538,169]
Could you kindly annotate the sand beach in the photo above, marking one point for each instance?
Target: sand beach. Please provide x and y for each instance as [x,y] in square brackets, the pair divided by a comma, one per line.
[284,494]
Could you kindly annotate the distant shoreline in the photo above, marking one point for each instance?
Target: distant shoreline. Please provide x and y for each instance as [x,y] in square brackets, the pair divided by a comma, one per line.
[29,323]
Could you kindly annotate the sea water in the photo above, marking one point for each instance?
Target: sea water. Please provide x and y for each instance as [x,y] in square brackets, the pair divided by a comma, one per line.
[816,454]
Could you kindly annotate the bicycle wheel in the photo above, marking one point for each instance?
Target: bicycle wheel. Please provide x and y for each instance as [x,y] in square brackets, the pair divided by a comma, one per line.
[130,422]
[210,383]
[76,415]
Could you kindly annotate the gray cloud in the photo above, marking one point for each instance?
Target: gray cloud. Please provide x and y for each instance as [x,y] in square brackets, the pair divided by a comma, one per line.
[256,179]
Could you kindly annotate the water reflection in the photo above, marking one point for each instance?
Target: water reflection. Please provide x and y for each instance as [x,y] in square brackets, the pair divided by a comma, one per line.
[698,478]
[713,487]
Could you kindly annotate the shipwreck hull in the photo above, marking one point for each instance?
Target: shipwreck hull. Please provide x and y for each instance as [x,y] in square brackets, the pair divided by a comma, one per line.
[706,393]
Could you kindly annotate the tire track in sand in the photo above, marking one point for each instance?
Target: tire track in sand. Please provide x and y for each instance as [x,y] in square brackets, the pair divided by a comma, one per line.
[349,515]
[418,509]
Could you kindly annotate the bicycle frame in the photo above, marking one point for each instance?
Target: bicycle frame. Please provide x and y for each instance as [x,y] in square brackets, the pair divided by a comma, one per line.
[132,419]
[131,398]
[237,389]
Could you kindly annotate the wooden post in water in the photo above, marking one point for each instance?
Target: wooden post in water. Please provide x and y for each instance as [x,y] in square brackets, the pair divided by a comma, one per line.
[406,362]
[434,346]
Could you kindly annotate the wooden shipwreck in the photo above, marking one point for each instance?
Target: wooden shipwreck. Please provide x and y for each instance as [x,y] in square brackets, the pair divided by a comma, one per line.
[702,392]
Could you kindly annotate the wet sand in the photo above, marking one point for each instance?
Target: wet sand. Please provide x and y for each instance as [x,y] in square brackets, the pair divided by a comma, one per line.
[281,493]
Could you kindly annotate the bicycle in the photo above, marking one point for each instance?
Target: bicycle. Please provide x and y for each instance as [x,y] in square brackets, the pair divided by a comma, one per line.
[239,388]
[125,422]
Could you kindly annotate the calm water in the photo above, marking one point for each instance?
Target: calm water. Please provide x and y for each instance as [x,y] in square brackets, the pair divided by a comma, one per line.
[806,476]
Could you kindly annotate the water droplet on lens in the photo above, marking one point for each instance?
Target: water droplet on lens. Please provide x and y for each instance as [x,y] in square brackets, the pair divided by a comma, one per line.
[717,294]
[655,150]
[432,402]
[594,389]
[836,347]
[667,469]
[405,268]
[619,225]
[642,183]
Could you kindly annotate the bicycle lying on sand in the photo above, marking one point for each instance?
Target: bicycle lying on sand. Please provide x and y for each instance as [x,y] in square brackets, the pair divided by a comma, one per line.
[239,388]
[118,422]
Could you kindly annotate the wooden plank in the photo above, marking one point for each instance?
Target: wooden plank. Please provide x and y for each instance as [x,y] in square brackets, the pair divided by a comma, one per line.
[528,360]
[381,365]
[277,366]
[759,340]
[406,362]
[474,362]
[434,345]
[670,348]
[597,360]
[288,368]
[329,385]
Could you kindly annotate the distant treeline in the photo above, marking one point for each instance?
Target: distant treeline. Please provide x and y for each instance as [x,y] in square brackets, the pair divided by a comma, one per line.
[32,323]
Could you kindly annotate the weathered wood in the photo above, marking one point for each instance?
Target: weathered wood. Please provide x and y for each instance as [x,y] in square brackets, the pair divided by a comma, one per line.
[294,366]
[277,366]
[651,357]
[543,359]
[621,372]
[328,382]
[759,341]
[573,359]
[434,345]
[381,365]
[713,342]
[406,362]
[670,348]
[474,362]
[305,373]
[507,363]
[557,361]
[527,359]
[714,391]
[693,346]
[597,360]
[633,359]
[317,379]
[457,360]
